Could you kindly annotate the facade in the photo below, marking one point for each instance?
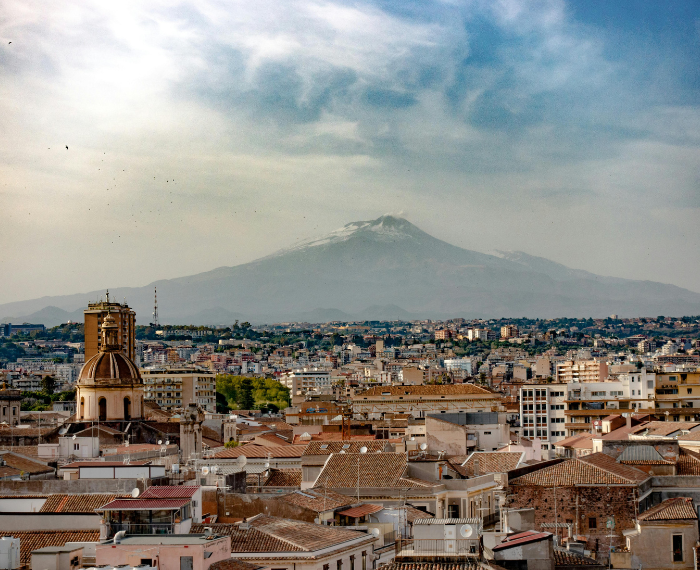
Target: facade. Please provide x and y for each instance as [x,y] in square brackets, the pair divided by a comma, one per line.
[109,386]
[581,371]
[462,433]
[418,401]
[452,364]
[174,387]
[542,416]
[305,380]
[125,319]
[509,331]
[10,401]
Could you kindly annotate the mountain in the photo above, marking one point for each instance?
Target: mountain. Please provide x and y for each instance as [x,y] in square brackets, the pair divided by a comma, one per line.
[385,268]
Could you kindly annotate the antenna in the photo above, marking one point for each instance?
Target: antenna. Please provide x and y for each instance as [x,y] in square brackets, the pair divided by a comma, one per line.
[155,307]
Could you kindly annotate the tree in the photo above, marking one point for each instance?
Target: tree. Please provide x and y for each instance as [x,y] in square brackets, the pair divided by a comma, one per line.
[222,406]
[247,401]
[48,384]
[231,444]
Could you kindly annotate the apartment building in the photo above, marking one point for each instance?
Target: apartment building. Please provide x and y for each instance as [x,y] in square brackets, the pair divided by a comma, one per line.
[125,318]
[542,408]
[678,395]
[509,331]
[589,402]
[305,380]
[581,371]
[177,386]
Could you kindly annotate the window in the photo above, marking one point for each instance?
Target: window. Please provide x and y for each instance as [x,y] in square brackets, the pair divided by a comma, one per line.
[650,384]
[678,548]
[364,560]
[326,567]
[76,447]
[592,522]
[352,562]
[339,565]
[594,394]
[690,390]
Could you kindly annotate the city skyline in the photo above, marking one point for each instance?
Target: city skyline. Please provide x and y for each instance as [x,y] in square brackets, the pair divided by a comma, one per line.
[175,140]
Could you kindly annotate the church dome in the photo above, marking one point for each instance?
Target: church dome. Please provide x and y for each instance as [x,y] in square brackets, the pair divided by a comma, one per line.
[109,368]
[110,365]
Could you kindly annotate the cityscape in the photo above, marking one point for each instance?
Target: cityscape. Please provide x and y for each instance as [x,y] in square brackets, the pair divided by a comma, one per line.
[350,285]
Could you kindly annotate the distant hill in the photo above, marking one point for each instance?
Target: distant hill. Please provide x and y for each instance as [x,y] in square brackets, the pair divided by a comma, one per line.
[382,269]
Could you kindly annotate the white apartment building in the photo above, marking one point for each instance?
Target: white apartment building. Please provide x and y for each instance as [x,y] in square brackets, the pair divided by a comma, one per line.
[305,380]
[465,364]
[176,387]
[542,416]
[581,371]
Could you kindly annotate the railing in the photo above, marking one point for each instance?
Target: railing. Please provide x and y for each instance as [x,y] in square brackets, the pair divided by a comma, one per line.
[437,547]
[141,528]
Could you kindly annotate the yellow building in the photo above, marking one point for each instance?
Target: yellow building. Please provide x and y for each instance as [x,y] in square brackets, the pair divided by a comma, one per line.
[125,319]
[109,385]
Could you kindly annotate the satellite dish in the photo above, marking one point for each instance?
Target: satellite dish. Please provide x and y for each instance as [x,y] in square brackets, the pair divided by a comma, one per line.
[160,442]
[215,469]
[342,451]
[167,442]
[413,439]
[375,531]
[135,493]
[423,446]
[267,465]
[363,449]
[466,530]
[73,436]
[241,461]
[205,470]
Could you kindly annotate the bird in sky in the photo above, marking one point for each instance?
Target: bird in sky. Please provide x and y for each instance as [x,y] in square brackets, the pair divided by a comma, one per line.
[66,147]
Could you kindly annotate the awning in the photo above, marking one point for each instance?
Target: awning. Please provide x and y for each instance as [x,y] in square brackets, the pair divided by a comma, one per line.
[145,505]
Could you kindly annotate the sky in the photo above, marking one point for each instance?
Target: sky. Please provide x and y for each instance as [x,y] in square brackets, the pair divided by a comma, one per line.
[206,134]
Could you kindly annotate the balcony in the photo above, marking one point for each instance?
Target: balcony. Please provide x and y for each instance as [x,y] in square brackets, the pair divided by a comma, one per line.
[412,548]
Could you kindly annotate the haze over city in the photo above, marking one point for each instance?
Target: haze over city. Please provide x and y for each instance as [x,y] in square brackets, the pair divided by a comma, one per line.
[144,142]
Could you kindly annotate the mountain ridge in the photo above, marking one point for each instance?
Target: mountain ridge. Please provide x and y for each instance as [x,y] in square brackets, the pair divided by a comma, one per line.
[367,266]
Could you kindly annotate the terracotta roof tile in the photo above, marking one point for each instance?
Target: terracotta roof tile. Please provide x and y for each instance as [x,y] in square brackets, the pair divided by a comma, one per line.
[353,446]
[317,499]
[375,470]
[170,492]
[84,503]
[272,534]
[678,508]
[492,462]
[30,540]
[595,469]
[21,463]
[361,511]
[462,565]
[284,478]
[262,451]
[413,514]
[234,564]
[569,558]
[688,462]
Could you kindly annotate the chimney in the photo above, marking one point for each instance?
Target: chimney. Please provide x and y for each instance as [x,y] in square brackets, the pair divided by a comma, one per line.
[628,420]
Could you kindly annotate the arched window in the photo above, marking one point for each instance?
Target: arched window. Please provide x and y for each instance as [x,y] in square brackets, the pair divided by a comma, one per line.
[102,410]
[127,408]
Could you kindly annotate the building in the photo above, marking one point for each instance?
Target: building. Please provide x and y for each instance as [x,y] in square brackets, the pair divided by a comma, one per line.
[165,552]
[542,416]
[418,401]
[461,433]
[581,371]
[8,329]
[664,537]
[177,386]
[509,331]
[125,319]
[305,380]
[285,544]
[10,401]
[109,386]
[452,364]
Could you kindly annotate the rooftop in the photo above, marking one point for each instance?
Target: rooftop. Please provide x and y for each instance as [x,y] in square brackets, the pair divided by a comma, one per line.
[481,462]
[426,390]
[262,451]
[678,508]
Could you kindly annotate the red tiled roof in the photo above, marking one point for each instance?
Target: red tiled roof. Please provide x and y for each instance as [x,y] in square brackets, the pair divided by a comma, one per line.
[83,503]
[520,539]
[688,462]
[284,478]
[345,470]
[262,451]
[492,462]
[569,558]
[144,504]
[595,469]
[361,511]
[21,463]
[272,534]
[317,499]
[170,492]
[234,564]
[678,508]
[581,441]
[354,446]
[30,540]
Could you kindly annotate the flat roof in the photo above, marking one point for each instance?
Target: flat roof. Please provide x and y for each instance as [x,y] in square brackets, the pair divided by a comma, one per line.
[56,549]
[172,539]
